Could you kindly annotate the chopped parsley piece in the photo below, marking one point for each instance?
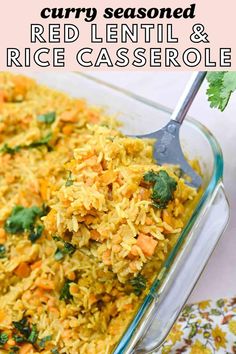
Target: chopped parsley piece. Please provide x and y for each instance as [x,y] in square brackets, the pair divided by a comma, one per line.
[41,142]
[47,118]
[221,85]
[14,349]
[66,248]
[18,339]
[139,284]
[36,233]
[65,291]
[2,251]
[23,327]
[59,255]
[45,209]
[6,149]
[43,341]
[27,333]
[3,339]
[33,335]
[69,181]
[22,219]
[54,351]
[163,187]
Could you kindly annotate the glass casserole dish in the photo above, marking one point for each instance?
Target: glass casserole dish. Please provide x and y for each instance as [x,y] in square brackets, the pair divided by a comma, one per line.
[179,273]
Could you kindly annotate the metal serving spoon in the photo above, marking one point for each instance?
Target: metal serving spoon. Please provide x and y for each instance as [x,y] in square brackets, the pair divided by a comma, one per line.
[167,149]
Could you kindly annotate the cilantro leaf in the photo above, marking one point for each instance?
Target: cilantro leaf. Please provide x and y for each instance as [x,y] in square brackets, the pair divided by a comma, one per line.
[21,219]
[43,341]
[54,351]
[36,233]
[47,118]
[3,339]
[22,326]
[2,251]
[66,248]
[59,255]
[27,332]
[14,349]
[69,180]
[139,284]
[163,187]
[6,149]
[44,141]
[221,85]
[65,291]
[33,335]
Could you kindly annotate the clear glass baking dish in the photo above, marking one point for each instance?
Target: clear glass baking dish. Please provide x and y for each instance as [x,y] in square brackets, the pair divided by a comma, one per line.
[180,272]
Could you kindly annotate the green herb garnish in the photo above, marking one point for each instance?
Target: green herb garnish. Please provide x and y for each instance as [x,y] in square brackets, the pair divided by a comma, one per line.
[66,248]
[69,180]
[14,349]
[163,187]
[65,291]
[47,118]
[41,142]
[3,339]
[33,335]
[22,219]
[27,333]
[2,251]
[18,339]
[221,85]
[6,149]
[36,233]
[139,284]
[59,255]
[35,144]
[43,341]
[54,351]
[23,327]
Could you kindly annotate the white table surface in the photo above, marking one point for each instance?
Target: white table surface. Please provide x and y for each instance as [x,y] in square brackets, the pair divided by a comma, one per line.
[219,277]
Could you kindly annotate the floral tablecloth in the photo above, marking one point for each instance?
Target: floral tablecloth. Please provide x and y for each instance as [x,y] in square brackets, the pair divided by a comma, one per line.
[208,327]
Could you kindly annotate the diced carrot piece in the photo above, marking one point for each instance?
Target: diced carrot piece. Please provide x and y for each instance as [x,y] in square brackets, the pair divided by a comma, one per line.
[97,168]
[106,257]
[23,270]
[92,299]
[71,276]
[147,244]
[67,129]
[25,348]
[95,235]
[2,97]
[69,116]
[36,265]
[54,310]
[108,177]
[134,251]
[93,117]
[45,284]
[2,315]
[149,221]
[44,189]
[3,235]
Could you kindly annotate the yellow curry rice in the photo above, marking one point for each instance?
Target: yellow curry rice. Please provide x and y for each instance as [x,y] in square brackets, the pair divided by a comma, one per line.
[69,276]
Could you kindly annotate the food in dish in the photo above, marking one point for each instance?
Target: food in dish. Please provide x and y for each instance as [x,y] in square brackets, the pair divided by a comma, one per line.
[87,218]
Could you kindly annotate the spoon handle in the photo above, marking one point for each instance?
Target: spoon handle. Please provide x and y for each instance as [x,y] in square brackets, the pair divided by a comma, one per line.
[188,96]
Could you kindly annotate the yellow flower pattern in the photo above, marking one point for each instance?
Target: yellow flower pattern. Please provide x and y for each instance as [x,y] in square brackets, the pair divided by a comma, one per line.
[205,328]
